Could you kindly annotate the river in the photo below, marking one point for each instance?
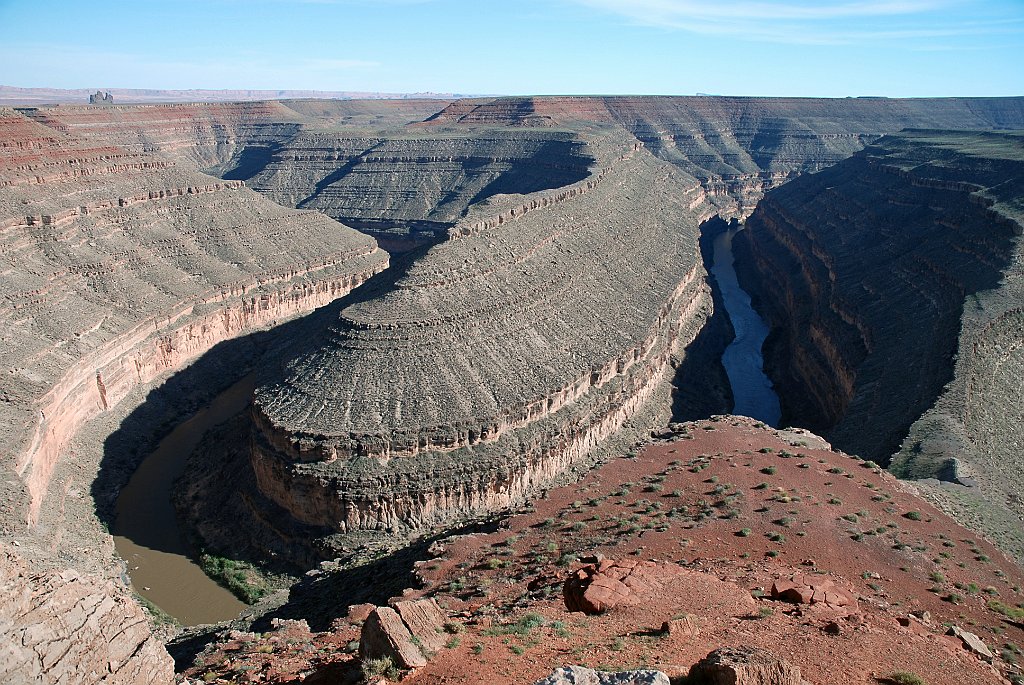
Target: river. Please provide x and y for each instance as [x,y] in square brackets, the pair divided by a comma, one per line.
[752,391]
[146,530]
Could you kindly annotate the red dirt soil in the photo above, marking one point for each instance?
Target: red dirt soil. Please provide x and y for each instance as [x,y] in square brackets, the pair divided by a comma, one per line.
[738,506]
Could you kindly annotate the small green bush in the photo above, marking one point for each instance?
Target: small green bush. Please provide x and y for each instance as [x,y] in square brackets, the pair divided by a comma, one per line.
[905,678]
[383,667]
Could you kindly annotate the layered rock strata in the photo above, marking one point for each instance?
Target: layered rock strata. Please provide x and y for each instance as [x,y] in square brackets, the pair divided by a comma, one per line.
[120,266]
[495,364]
[741,146]
[893,284]
[418,182]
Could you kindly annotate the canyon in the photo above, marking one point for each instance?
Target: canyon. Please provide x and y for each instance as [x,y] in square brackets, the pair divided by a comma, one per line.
[546,291]
[916,238]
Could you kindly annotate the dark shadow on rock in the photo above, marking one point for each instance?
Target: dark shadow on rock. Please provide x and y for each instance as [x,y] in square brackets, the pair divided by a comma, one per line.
[324,595]
[189,389]
[700,386]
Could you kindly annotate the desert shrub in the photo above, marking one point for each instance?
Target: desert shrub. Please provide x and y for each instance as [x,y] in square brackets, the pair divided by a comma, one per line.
[913,515]
[383,667]
[240,578]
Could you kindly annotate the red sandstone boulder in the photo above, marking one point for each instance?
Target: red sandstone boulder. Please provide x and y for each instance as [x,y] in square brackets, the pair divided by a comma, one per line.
[409,634]
[744,666]
[357,613]
[681,627]
[595,589]
[812,589]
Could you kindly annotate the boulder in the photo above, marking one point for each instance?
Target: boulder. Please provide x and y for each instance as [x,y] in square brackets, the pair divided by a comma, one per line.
[971,642]
[425,620]
[744,666]
[385,635]
[578,675]
[813,589]
[409,633]
[597,588]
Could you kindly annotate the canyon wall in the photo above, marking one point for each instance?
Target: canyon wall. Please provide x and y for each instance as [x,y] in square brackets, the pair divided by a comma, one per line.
[419,182]
[741,146]
[497,362]
[893,286]
[368,451]
[120,266]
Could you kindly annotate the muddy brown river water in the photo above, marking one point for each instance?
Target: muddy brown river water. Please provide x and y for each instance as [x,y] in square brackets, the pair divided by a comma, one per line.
[146,530]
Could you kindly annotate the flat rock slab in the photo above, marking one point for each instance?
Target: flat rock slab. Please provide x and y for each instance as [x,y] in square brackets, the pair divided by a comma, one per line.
[812,589]
[971,642]
[578,675]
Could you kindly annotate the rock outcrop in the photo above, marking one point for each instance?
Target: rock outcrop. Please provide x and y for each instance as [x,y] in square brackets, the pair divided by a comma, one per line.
[810,589]
[495,364]
[410,633]
[580,675]
[626,582]
[68,628]
[893,286]
[744,666]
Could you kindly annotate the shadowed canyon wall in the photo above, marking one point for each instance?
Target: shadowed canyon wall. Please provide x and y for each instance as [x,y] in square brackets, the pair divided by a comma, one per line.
[892,282]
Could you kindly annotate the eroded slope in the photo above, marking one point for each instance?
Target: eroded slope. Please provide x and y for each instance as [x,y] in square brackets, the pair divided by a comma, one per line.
[418,182]
[119,265]
[742,146]
[497,362]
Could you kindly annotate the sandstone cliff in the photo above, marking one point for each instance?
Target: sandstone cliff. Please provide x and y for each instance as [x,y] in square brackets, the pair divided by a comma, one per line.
[121,266]
[893,286]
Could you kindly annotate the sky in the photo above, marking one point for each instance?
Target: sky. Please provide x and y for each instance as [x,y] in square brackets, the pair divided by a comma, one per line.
[824,48]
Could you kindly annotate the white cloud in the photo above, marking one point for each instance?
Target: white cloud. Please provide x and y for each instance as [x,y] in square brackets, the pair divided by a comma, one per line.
[812,22]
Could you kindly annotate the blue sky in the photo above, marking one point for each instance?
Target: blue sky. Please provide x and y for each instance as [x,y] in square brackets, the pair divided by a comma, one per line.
[747,47]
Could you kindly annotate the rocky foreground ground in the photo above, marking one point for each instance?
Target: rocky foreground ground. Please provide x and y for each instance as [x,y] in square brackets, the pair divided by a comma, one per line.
[721,534]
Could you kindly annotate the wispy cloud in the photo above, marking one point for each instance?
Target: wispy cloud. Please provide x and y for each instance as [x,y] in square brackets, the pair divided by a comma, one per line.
[820,22]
